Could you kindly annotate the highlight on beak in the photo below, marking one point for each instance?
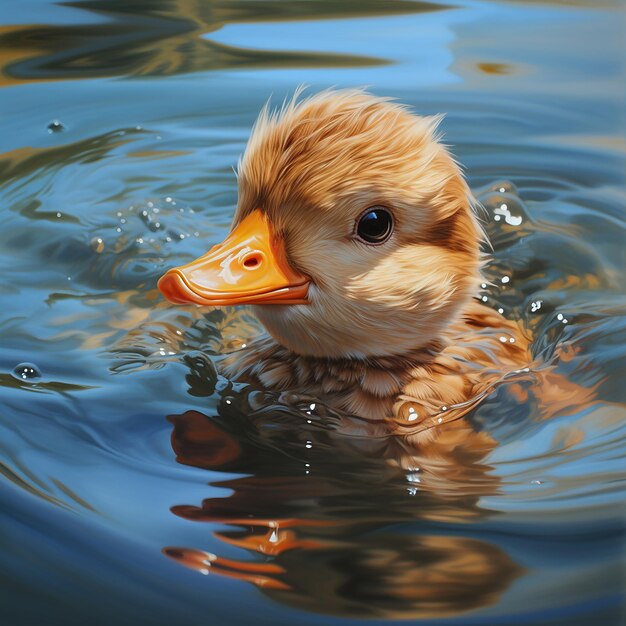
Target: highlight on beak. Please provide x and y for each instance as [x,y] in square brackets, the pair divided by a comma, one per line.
[248,267]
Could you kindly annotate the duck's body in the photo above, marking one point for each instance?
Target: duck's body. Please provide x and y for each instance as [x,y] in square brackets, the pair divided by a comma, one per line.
[410,392]
[356,242]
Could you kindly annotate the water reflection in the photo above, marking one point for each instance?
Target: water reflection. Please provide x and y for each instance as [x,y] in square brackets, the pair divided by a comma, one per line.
[166,37]
[344,526]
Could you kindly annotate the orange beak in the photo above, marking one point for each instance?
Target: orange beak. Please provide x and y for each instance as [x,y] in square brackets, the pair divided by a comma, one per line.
[248,267]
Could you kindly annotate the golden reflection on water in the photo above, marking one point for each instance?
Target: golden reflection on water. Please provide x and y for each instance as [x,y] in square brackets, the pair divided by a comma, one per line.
[168,37]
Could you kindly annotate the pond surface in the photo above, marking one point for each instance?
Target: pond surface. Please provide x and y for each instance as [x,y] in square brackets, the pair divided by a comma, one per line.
[138,487]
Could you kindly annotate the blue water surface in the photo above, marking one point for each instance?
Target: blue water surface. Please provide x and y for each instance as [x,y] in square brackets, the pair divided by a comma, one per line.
[138,486]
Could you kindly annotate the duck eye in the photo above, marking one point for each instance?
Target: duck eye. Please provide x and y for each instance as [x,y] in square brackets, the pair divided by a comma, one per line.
[375,225]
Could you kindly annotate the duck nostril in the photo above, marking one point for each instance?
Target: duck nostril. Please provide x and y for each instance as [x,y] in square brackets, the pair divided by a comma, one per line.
[252,261]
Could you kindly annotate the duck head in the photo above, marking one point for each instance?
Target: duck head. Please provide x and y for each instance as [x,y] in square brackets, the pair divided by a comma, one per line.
[354,234]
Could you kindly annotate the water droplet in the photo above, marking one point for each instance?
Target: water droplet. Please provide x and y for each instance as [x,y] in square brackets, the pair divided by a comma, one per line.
[243,345]
[505,280]
[559,316]
[536,482]
[497,218]
[26,371]
[502,190]
[55,127]
[503,339]
[123,221]
[118,230]
[500,310]
[535,306]
[138,127]
[59,214]
[483,286]
[150,204]
[439,420]
[312,406]
[511,340]
[168,199]
[484,298]
[308,445]
[97,245]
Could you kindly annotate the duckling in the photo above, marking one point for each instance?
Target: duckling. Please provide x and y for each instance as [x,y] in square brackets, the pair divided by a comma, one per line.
[357,243]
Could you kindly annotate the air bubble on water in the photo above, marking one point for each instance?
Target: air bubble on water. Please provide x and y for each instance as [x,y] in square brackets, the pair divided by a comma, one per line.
[26,371]
[501,310]
[119,214]
[308,445]
[139,240]
[439,420]
[503,339]
[559,316]
[502,190]
[168,199]
[484,298]
[150,204]
[155,210]
[536,482]
[483,286]
[181,236]
[536,305]
[55,126]
[118,229]
[97,245]
[59,214]
[496,217]
[138,127]
[505,280]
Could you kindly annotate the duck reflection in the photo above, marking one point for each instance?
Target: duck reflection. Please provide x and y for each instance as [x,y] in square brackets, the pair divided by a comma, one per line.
[338,517]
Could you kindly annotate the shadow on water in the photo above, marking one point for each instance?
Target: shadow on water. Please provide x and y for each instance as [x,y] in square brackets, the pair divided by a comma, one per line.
[167,37]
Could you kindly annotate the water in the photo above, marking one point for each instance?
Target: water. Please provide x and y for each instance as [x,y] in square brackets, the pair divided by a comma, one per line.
[141,488]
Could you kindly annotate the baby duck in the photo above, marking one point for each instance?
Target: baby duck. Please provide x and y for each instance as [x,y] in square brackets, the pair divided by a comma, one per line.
[356,242]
